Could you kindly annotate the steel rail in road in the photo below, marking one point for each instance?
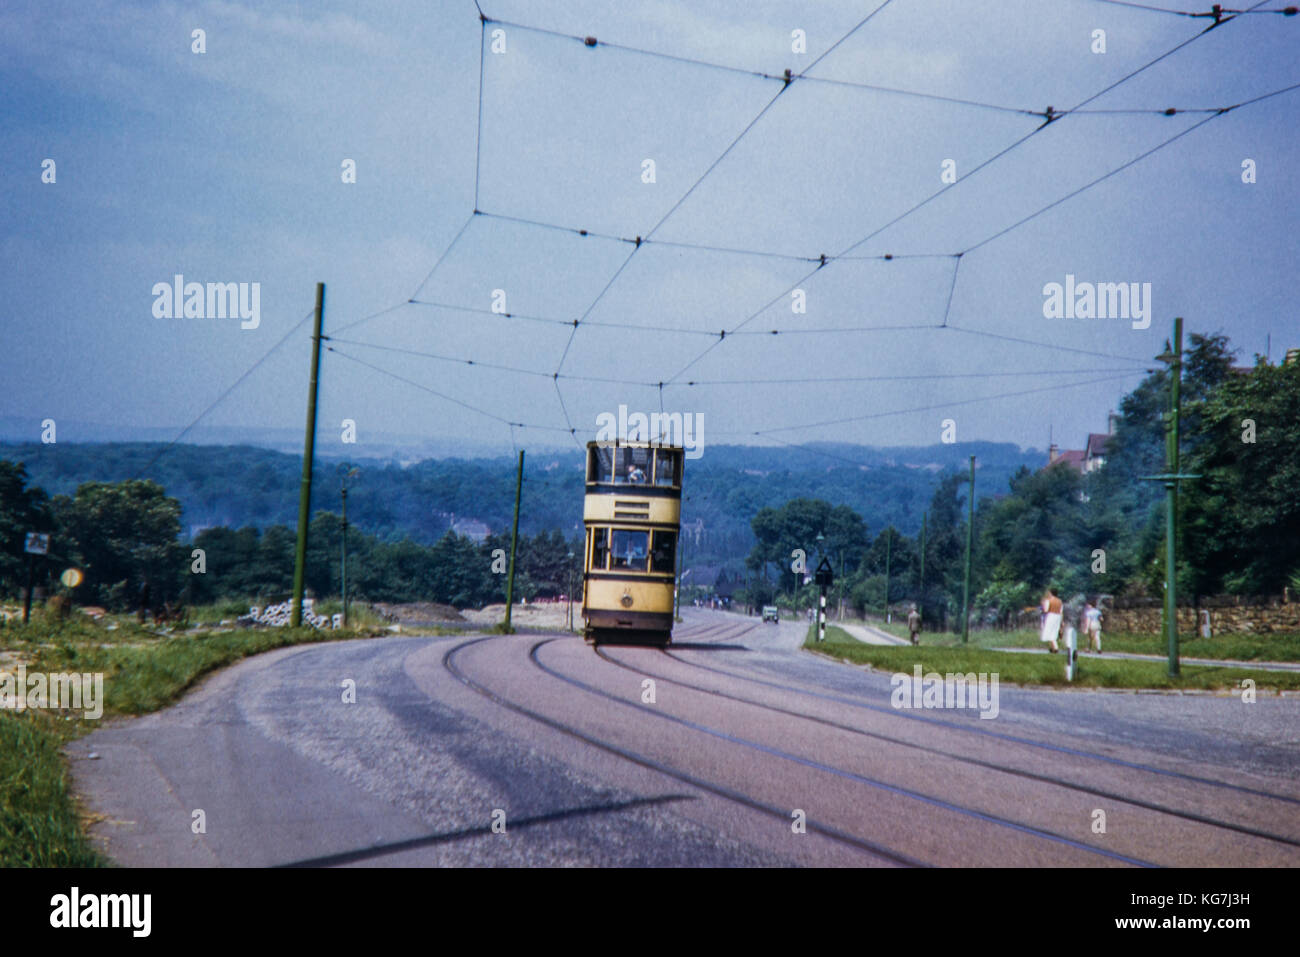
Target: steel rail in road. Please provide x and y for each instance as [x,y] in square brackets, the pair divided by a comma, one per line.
[1063,749]
[834,834]
[993,766]
[839,772]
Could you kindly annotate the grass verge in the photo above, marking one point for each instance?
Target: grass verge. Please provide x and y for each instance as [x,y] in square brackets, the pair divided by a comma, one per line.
[1023,669]
[1282,646]
[143,671]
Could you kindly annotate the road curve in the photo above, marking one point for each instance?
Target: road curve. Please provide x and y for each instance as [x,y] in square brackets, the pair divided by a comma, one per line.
[535,750]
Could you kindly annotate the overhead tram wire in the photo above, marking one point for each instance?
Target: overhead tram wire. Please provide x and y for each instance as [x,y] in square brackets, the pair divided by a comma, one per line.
[443,395]
[602,380]
[1137,159]
[930,408]
[785,84]
[1100,179]
[217,401]
[411,300]
[822,260]
[552,320]
[1050,116]
[1046,345]
[478,142]
[478,364]
[916,377]
[768,436]
[760,74]
[478,137]
[855,29]
[1219,15]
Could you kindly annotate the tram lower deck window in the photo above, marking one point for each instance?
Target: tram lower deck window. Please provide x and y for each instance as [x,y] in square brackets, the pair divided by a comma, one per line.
[665,549]
[630,549]
[600,548]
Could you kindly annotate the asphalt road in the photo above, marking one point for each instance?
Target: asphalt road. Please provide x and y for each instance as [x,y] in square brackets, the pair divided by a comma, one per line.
[746,738]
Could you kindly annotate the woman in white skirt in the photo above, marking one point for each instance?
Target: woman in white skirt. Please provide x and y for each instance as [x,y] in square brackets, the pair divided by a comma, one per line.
[1052,613]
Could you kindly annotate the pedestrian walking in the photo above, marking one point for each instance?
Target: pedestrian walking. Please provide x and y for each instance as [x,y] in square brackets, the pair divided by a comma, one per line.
[1092,626]
[1052,614]
[914,624]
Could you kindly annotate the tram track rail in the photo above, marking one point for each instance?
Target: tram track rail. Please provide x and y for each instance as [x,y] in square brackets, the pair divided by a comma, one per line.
[940,752]
[840,773]
[729,794]
[954,725]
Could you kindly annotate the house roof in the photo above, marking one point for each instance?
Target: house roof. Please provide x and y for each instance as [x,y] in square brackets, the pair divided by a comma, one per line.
[1097,442]
[1075,457]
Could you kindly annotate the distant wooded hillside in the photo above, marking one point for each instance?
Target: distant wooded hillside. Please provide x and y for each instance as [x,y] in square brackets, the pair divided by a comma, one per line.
[238,486]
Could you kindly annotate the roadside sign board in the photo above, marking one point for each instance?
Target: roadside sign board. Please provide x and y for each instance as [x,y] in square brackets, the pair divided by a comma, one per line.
[37,543]
[825,574]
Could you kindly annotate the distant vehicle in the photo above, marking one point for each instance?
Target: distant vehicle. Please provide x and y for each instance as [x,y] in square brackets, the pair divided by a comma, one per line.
[770,613]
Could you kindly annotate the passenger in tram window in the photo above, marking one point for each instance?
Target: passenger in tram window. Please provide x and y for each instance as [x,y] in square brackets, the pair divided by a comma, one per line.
[635,474]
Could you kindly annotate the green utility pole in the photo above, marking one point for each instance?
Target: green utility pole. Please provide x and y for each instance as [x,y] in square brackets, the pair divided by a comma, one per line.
[889,545]
[1173,357]
[308,454]
[841,586]
[514,542]
[347,473]
[343,568]
[1171,495]
[677,587]
[570,618]
[970,534]
[921,609]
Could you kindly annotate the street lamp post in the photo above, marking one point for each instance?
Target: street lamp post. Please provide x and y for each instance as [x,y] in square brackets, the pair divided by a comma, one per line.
[821,594]
[347,473]
[570,591]
[841,583]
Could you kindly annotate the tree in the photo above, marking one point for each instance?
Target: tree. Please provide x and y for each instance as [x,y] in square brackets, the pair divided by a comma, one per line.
[1023,534]
[124,535]
[23,508]
[945,546]
[795,527]
[1241,519]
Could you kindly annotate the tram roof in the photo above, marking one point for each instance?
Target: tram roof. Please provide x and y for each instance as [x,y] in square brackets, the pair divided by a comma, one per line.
[625,444]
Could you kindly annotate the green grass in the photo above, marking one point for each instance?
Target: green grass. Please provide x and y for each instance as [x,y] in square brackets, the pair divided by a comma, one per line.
[1239,647]
[1242,647]
[1018,668]
[897,627]
[39,824]
[227,610]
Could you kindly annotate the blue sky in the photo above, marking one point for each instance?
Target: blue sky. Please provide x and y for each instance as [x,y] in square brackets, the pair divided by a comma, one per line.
[225,167]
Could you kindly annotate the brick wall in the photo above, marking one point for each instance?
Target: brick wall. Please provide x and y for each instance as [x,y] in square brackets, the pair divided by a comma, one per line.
[1228,614]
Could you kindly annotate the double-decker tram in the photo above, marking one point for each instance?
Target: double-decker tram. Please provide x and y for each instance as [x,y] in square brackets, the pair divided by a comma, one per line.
[632,514]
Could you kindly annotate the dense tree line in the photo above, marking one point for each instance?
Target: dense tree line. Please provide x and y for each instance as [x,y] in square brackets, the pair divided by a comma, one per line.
[125,538]
[1239,522]
[238,486]
[1100,533]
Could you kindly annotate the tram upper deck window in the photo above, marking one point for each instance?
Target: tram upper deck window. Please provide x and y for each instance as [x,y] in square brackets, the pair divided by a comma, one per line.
[632,466]
[630,549]
[600,464]
[668,463]
[620,466]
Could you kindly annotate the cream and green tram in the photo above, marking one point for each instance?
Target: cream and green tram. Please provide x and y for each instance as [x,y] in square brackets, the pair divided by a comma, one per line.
[632,514]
